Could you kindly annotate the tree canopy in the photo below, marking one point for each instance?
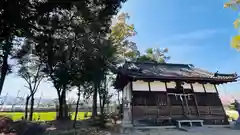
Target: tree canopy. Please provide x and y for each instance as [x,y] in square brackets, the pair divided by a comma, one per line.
[74,44]
[68,37]
[155,55]
[121,32]
[234,4]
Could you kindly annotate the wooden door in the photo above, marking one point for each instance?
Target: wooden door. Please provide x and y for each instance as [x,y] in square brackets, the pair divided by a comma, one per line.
[183,105]
[189,105]
[176,105]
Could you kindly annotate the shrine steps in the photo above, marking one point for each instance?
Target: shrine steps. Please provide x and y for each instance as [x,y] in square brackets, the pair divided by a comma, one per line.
[190,123]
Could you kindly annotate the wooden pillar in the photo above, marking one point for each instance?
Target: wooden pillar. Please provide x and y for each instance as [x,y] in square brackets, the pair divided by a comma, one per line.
[204,88]
[127,109]
[168,101]
[216,89]
[195,99]
[218,96]
[226,118]
[131,91]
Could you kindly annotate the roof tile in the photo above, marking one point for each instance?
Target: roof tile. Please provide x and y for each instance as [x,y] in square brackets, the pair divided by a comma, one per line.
[161,70]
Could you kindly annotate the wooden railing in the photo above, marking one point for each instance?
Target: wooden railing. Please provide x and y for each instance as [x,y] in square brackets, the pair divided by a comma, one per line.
[211,112]
[163,112]
[153,112]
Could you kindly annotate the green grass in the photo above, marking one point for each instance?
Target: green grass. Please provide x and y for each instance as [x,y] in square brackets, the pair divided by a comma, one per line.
[44,116]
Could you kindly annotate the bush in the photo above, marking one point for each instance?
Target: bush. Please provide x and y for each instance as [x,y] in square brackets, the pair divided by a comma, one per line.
[5,124]
[85,114]
[9,127]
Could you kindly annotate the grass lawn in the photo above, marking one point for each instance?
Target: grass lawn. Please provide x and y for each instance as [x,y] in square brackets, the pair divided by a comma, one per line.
[45,116]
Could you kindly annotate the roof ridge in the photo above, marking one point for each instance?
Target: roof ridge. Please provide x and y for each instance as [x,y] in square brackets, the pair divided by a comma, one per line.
[203,70]
[206,71]
[157,63]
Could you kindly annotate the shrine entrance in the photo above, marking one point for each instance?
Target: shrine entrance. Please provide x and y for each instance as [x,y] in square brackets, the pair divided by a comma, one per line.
[183,103]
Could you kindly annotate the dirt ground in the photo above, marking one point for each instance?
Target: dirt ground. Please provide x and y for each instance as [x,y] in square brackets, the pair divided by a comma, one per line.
[203,131]
[116,130]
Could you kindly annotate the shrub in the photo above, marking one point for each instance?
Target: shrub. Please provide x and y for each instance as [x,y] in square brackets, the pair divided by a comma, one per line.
[5,124]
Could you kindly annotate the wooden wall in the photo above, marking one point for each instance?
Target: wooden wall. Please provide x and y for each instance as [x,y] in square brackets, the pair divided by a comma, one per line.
[152,100]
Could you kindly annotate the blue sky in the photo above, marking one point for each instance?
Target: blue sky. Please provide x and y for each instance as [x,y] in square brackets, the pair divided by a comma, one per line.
[195,32]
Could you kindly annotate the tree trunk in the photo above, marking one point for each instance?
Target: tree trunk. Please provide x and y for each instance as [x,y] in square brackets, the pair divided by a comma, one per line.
[65,107]
[62,109]
[102,104]
[26,107]
[4,68]
[118,94]
[102,107]
[31,108]
[76,111]
[94,105]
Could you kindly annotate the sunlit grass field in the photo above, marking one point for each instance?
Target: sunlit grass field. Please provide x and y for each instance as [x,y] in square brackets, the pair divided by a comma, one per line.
[48,116]
[44,116]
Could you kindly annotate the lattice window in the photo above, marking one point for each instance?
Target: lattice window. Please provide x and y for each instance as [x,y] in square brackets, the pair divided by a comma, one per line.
[149,98]
[198,88]
[171,84]
[157,86]
[210,88]
[140,86]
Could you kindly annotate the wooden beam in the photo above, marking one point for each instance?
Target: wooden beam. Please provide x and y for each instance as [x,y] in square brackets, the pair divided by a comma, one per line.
[131,104]
[168,101]
[195,100]
[149,87]
[204,88]
[216,89]
[220,99]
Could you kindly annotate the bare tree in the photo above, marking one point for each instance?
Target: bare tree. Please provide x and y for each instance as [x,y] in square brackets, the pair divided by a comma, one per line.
[30,69]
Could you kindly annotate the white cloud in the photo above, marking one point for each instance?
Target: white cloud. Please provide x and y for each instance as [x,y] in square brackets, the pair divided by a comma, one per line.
[193,35]
[192,43]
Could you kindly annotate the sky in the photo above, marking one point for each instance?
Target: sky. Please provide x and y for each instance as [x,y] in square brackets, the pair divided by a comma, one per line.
[195,32]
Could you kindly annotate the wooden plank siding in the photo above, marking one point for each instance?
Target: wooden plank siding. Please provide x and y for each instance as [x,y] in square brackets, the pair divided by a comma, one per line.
[164,105]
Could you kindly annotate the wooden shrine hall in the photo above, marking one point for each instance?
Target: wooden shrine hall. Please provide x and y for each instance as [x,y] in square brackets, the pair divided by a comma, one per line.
[157,94]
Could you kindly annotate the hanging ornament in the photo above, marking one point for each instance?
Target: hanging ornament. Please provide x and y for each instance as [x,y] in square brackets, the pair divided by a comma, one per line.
[181,98]
[189,97]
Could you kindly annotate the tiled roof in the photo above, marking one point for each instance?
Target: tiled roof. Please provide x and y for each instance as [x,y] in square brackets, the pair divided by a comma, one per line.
[173,71]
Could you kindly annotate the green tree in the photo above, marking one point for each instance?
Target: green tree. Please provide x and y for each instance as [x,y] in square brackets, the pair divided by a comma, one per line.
[83,44]
[69,34]
[120,36]
[104,98]
[156,55]
[21,22]
[234,4]
[104,60]
[232,106]
[77,106]
[30,69]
